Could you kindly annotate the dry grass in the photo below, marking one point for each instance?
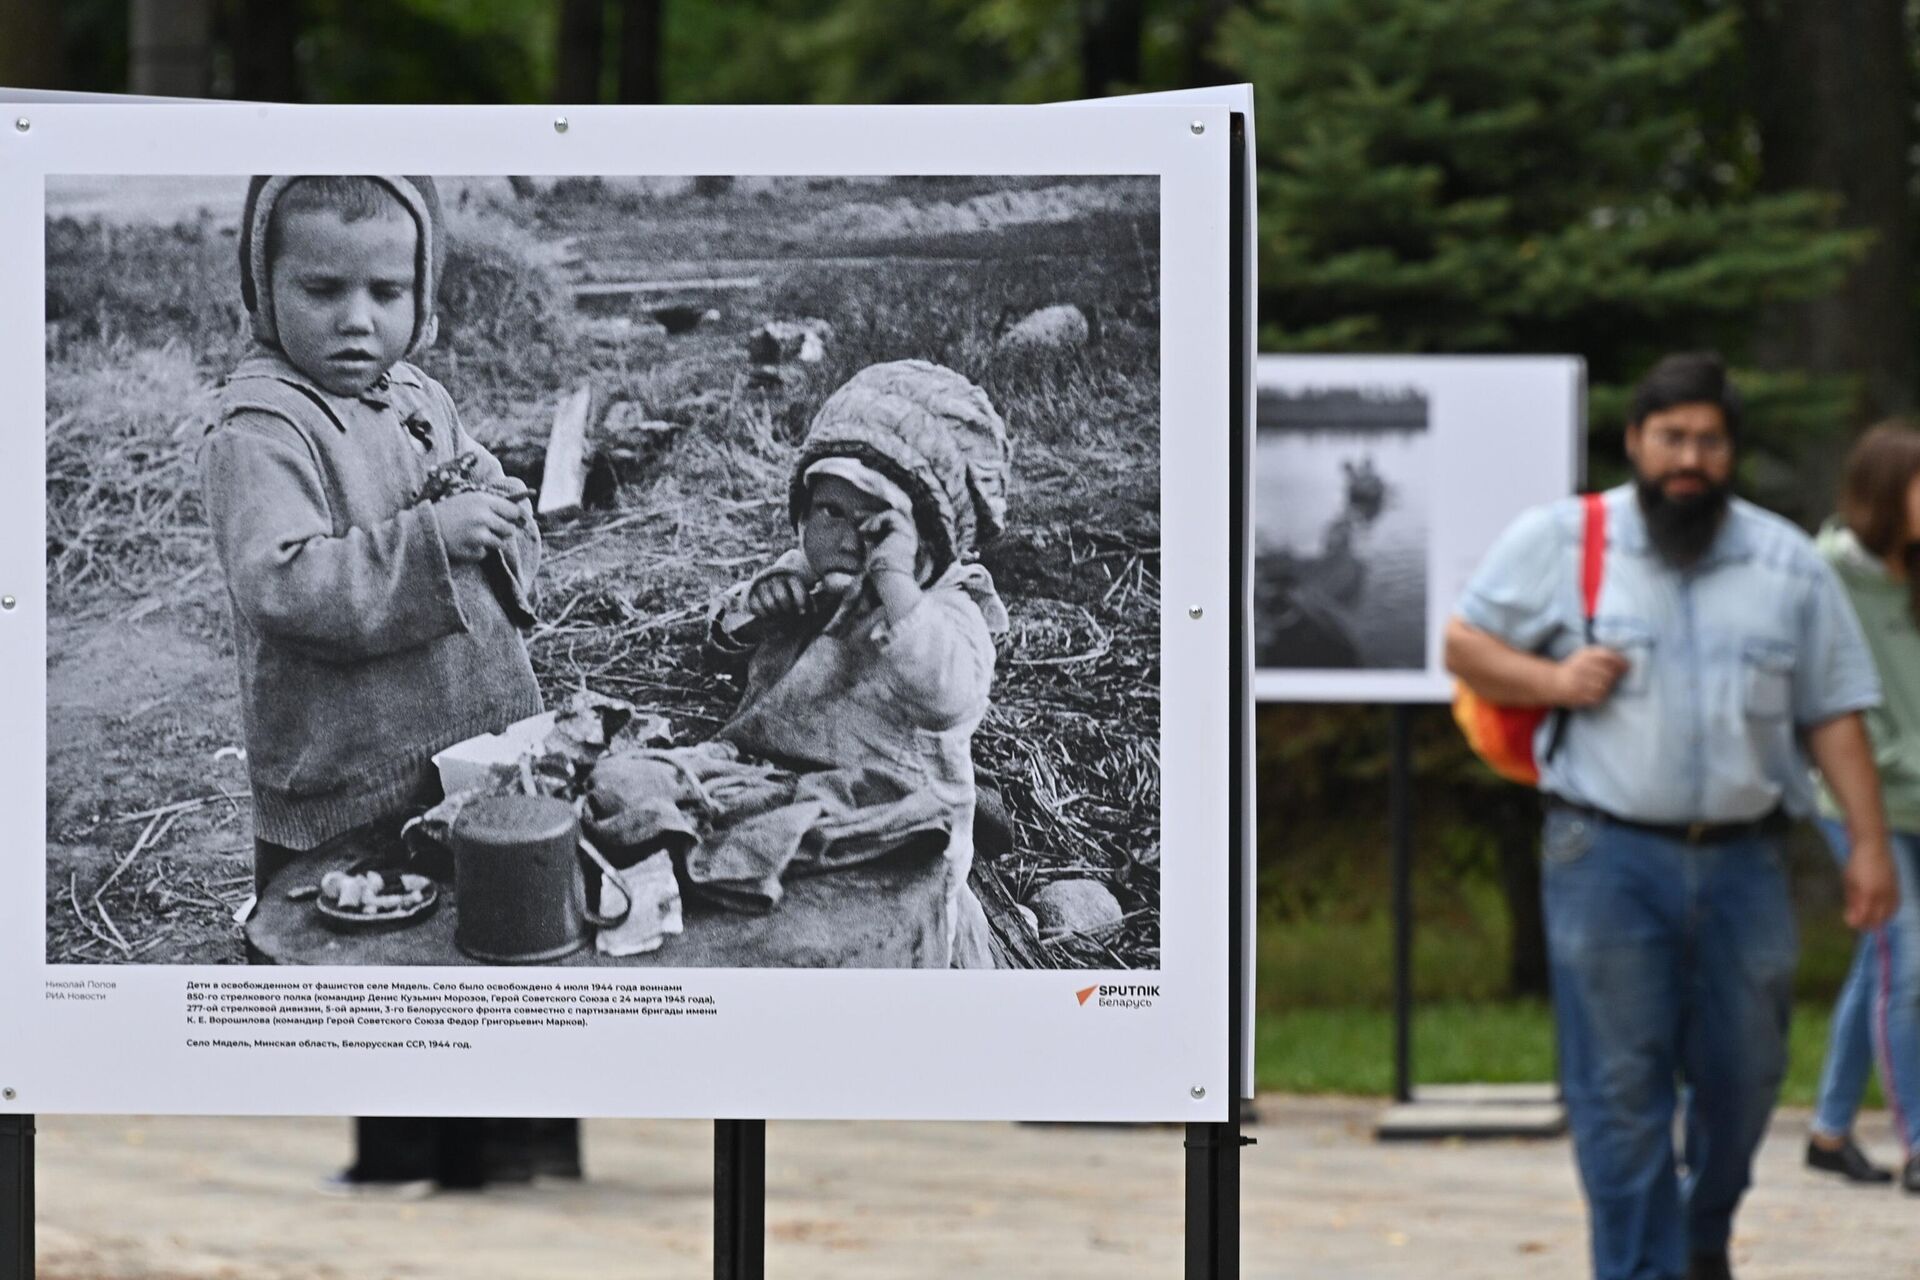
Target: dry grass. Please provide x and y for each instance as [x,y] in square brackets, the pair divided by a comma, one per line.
[123,496]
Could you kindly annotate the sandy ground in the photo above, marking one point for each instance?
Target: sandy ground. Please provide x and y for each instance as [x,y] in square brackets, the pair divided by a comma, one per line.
[198,1199]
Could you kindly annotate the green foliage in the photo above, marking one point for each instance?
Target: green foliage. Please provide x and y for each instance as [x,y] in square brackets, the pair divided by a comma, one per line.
[1520,175]
[1351,1050]
[1342,955]
[94,41]
[862,51]
[427,51]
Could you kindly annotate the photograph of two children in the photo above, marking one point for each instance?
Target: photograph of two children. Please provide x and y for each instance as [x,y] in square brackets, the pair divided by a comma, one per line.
[502,569]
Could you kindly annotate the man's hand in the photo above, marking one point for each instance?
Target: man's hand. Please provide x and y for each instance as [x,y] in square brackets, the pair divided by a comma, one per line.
[1873,887]
[779,595]
[474,523]
[1586,677]
[1501,673]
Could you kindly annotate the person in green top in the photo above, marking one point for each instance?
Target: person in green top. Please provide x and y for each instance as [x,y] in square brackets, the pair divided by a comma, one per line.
[1874,545]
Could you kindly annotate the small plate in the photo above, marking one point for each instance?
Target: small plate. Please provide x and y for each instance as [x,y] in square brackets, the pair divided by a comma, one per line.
[361,922]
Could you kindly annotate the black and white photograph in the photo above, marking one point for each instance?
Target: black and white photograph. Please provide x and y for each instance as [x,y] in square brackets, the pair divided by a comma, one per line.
[1379,482]
[1341,527]
[698,572]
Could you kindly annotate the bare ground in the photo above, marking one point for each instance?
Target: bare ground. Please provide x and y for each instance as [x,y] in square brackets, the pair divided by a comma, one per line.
[137,717]
[123,1198]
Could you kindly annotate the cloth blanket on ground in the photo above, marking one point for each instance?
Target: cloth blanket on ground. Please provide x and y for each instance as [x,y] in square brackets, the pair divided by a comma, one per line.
[744,825]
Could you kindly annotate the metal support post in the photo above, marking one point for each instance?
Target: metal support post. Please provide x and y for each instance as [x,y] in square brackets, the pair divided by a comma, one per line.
[1400,820]
[739,1199]
[16,1197]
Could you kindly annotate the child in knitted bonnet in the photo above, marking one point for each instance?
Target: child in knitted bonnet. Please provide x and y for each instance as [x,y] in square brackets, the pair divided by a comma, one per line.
[376,618]
[870,643]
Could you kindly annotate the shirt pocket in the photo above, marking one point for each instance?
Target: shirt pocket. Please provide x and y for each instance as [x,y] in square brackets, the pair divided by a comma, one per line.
[1766,676]
[1633,640]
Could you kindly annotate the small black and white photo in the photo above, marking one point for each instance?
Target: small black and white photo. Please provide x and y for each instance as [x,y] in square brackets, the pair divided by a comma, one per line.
[697,572]
[1341,480]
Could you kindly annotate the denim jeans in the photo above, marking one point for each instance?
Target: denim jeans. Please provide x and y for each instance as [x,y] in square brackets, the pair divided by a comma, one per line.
[1877,1017]
[1672,970]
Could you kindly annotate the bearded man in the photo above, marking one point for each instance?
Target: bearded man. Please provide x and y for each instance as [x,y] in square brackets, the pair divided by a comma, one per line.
[1722,655]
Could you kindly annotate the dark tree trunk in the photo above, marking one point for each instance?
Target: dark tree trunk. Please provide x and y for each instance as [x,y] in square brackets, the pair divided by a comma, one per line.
[1831,86]
[31,55]
[170,47]
[1203,67]
[640,24]
[583,42]
[263,34]
[1110,33]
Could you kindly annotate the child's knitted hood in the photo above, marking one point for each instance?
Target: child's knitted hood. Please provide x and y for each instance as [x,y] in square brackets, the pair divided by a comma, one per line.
[933,433]
[417,195]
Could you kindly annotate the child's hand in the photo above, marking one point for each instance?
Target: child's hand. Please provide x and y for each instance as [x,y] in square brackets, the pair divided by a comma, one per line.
[472,524]
[779,595]
[892,542]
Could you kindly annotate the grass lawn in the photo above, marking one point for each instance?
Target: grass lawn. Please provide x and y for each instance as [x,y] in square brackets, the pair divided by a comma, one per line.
[1350,1050]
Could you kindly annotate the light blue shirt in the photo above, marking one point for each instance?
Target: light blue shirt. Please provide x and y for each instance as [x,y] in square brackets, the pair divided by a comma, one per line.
[1729,661]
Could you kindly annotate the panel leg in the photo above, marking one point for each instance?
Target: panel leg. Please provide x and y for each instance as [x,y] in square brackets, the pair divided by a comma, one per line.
[1213,1200]
[739,1199]
[16,1197]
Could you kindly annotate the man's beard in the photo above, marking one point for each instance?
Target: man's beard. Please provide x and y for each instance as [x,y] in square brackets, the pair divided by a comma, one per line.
[1682,528]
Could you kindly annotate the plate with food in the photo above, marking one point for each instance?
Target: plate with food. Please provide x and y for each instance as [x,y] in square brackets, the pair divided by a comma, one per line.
[375,899]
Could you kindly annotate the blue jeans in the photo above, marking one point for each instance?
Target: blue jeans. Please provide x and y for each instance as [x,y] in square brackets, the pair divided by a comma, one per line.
[1877,1017]
[1672,969]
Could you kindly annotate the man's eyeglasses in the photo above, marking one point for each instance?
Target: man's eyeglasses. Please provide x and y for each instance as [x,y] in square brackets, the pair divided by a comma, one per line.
[1672,440]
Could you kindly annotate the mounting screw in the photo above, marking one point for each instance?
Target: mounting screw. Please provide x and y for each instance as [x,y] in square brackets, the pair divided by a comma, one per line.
[22,124]
[1195,612]
[1198,127]
[7,602]
[559,124]
[8,1093]
[1198,1091]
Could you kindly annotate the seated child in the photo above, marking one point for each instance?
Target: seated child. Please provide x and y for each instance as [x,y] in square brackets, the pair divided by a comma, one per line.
[375,555]
[871,642]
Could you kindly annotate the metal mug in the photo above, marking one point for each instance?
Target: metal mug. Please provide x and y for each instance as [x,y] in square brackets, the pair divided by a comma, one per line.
[521,894]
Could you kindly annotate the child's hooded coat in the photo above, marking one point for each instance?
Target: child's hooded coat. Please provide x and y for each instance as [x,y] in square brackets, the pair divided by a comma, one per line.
[362,648]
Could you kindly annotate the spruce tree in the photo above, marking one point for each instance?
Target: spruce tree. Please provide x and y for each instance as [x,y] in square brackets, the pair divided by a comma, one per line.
[1528,176]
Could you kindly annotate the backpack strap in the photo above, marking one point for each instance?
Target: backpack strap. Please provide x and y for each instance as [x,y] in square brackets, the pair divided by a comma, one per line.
[1593,555]
[1593,562]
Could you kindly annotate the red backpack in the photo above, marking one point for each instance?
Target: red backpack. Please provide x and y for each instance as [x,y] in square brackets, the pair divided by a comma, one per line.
[1503,736]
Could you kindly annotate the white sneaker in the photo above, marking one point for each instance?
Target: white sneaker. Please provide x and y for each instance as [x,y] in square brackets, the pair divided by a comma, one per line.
[345,1185]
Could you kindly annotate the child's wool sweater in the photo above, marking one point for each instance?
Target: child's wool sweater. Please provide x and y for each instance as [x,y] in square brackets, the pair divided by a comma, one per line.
[362,649]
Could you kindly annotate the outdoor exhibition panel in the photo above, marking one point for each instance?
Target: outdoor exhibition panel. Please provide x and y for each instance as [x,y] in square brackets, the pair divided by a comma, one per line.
[1379,482]
[126,770]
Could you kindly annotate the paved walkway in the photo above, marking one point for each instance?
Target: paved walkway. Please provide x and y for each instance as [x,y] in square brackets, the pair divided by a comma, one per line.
[186,1199]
